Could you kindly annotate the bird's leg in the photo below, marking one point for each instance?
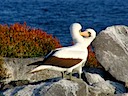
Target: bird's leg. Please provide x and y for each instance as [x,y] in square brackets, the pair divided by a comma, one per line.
[70,76]
[80,71]
[63,74]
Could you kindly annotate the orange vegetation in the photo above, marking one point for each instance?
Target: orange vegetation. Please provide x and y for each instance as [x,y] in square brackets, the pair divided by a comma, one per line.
[92,61]
[19,40]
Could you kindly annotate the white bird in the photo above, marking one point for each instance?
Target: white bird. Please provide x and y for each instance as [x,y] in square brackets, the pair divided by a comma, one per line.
[71,58]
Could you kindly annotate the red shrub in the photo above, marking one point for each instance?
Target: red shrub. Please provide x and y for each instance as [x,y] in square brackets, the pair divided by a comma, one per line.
[92,61]
[19,40]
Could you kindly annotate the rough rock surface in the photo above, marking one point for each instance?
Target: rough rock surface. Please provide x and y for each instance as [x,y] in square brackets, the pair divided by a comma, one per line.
[96,82]
[19,68]
[125,94]
[93,78]
[59,87]
[54,87]
[111,48]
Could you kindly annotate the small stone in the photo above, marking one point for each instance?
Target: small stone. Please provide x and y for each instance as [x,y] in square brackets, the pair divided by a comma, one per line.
[93,78]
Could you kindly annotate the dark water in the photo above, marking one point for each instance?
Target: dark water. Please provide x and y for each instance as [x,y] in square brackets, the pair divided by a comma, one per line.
[55,16]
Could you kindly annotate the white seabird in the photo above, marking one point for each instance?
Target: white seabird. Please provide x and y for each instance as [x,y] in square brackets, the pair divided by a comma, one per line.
[71,58]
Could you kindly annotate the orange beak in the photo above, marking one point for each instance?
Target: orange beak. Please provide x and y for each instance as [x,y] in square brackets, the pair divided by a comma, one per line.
[85,33]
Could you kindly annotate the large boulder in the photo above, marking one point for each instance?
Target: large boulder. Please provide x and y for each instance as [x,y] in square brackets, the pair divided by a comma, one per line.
[58,87]
[111,48]
[53,87]
[19,68]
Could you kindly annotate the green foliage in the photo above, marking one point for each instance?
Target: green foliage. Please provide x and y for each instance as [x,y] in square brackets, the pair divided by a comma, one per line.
[19,40]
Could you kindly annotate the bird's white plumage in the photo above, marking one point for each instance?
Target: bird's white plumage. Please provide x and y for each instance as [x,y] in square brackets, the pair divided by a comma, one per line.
[77,51]
[76,54]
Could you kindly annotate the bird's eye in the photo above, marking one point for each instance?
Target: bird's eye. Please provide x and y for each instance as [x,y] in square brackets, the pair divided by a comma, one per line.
[89,33]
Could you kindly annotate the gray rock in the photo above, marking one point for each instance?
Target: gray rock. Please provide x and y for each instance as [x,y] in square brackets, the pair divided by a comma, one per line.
[93,78]
[111,48]
[105,94]
[103,87]
[18,69]
[100,84]
[68,88]
[125,94]
[58,88]
[63,87]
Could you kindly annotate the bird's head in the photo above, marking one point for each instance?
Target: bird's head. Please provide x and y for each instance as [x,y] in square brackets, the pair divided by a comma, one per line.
[80,37]
[75,27]
[88,33]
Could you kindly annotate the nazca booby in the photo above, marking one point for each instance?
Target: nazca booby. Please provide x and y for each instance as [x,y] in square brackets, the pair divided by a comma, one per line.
[71,58]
